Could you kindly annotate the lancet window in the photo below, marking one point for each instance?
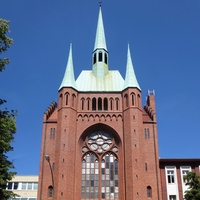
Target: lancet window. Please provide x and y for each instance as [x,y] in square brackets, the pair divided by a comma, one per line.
[99,167]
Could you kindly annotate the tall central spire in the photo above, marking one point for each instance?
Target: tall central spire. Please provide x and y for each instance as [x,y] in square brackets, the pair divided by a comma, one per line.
[100,41]
[100,53]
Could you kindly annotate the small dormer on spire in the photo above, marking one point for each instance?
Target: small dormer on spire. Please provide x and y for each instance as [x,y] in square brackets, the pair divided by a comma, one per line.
[100,53]
[130,78]
[68,79]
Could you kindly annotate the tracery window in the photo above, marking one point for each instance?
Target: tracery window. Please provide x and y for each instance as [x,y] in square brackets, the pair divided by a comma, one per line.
[99,167]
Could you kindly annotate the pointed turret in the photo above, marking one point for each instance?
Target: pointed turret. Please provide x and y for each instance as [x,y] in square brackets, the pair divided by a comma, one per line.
[100,53]
[68,79]
[130,78]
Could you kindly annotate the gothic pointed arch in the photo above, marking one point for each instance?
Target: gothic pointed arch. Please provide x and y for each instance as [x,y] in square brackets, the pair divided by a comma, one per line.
[100,164]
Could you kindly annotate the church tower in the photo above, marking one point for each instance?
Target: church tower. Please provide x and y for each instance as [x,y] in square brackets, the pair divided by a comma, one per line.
[98,142]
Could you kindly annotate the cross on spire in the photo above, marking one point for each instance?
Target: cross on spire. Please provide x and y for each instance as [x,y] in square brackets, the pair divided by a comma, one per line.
[100,3]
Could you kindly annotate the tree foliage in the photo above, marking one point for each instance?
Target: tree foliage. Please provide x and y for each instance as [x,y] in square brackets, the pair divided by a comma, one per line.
[192,180]
[5,42]
[7,122]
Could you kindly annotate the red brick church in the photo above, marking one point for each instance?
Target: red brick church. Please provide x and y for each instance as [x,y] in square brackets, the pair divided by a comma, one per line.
[100,143]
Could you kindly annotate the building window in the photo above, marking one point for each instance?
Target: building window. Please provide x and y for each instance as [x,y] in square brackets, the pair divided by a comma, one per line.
[73,99]
[170,176]
[106,58]
[50,191]
[90,176]
[82,103]
[111,104]
[99,103]
[52,133]
[12,185]
[149,191]
[105,103]
[133,99]
[99,167]
[139,101]
[126,99]
[95,58]
[100,56]
[109,176]
[146,166]
[184,171]
[88,104]
[117,104]
[172,197]
[146,133]
[22,186]
[94,104]
[66,98]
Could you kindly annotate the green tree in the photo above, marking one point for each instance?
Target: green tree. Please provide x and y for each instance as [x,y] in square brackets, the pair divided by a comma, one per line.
[5,42]
[7,122]
[192,180]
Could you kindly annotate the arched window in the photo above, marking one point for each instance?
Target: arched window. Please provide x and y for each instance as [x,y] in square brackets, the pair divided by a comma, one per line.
[105,103]
[111,103]
[133,99]
[105,58]
[60,100]
[139,103]
[90,176]
[73,99]
[126,99]
[82,103]
[94,104]
[50,191]
[99,167]
[109,168]
[88,103]
[117,104]
[95,58]
[100,56]
[99,103]
[66,98]
[149,191]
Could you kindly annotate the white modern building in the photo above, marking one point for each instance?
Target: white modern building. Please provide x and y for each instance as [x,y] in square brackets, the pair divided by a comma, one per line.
[24,186]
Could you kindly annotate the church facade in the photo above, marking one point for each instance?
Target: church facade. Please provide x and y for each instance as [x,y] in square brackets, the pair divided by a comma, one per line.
[99,141]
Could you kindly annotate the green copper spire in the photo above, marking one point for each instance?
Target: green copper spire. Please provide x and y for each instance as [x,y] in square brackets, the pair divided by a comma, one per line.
[100,41]
[130,78]
[100,53]
[68,79]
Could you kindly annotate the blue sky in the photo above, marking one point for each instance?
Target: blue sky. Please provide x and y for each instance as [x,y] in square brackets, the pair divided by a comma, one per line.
[164,37]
